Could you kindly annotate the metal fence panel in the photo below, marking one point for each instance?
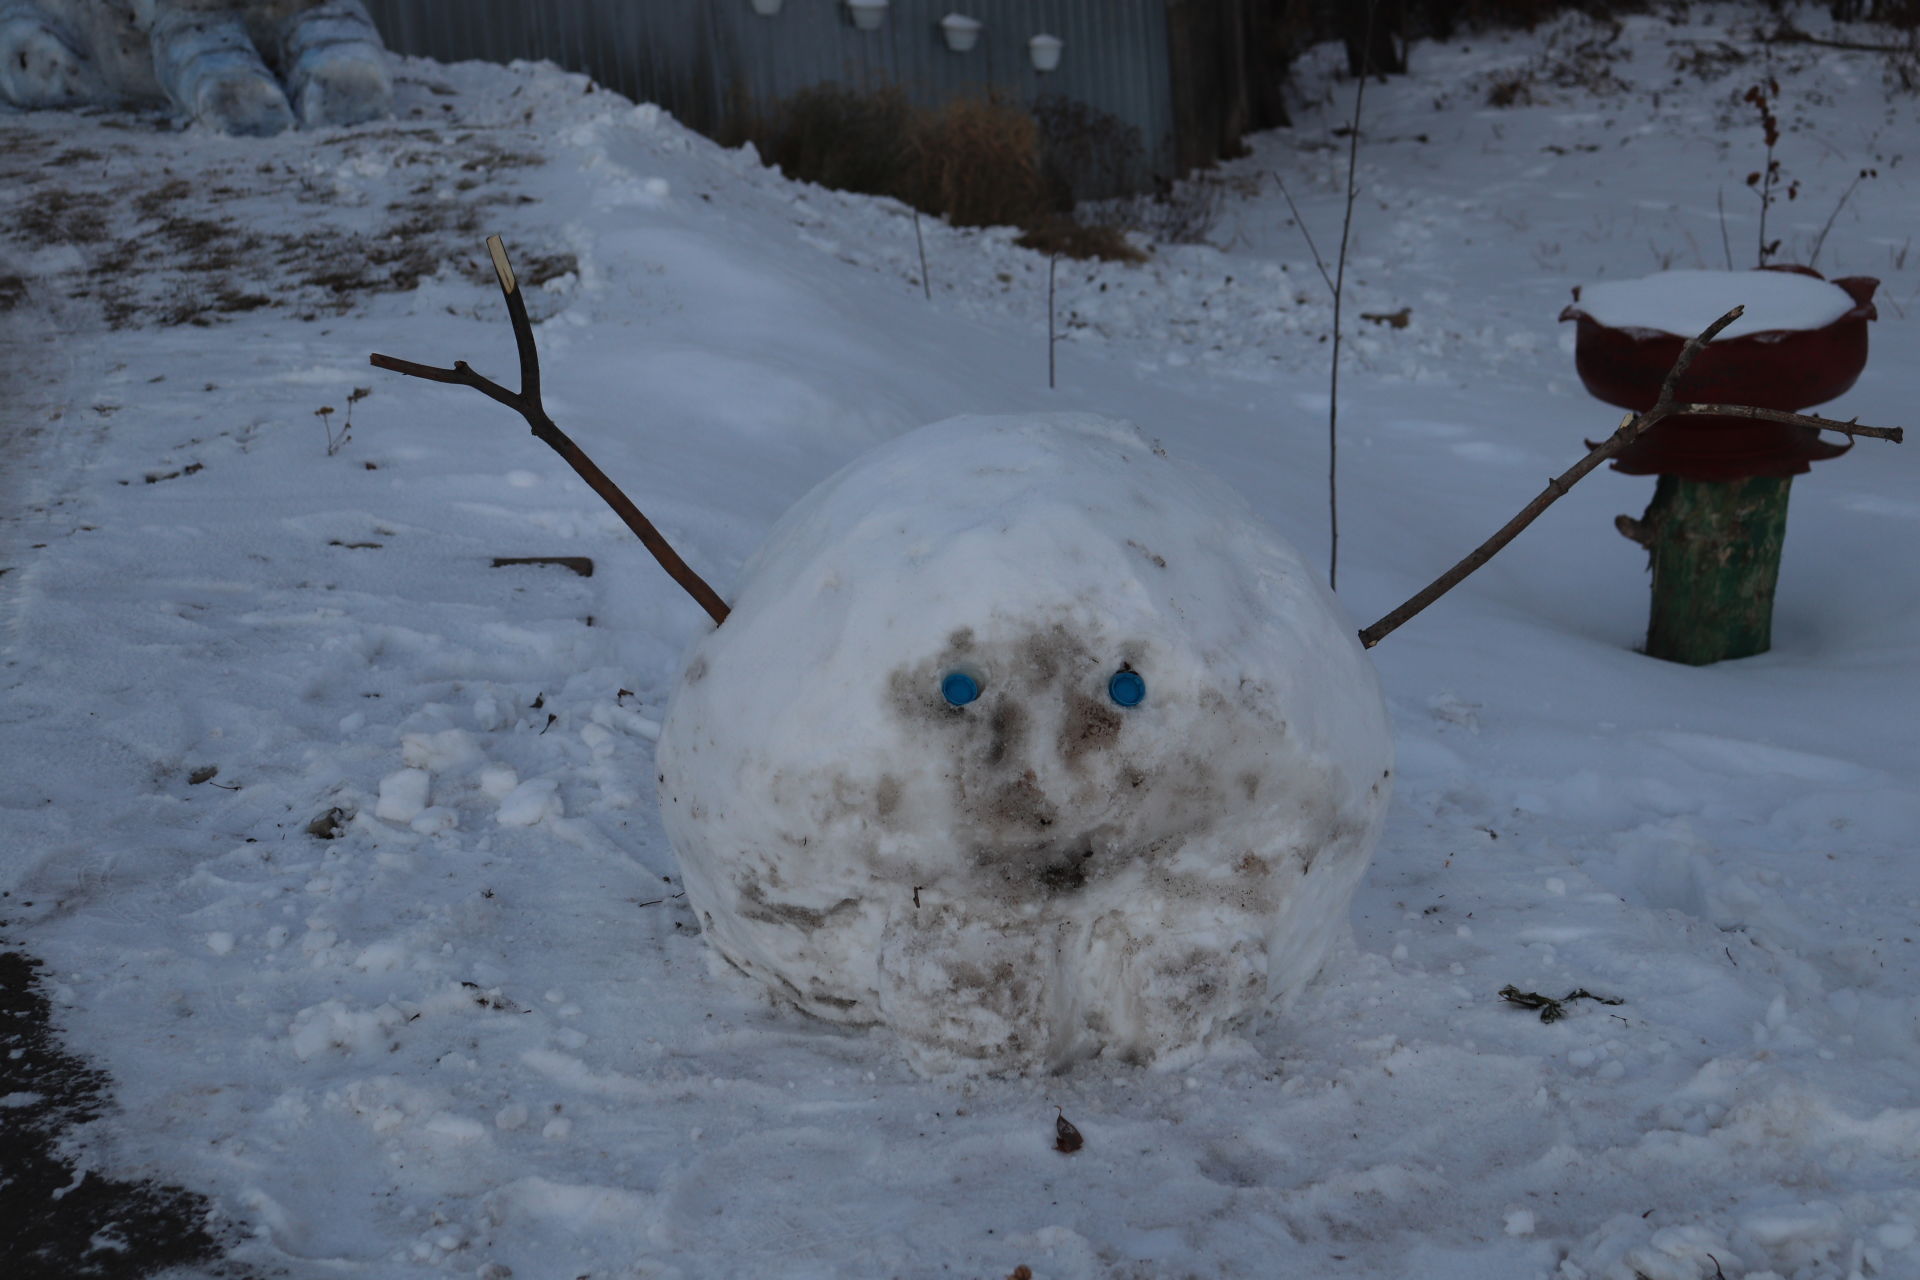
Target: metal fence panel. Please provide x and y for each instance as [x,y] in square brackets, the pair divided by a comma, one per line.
[716,63]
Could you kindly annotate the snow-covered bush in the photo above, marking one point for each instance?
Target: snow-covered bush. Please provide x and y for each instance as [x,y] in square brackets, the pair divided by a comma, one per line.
[239,66]
[1028,742]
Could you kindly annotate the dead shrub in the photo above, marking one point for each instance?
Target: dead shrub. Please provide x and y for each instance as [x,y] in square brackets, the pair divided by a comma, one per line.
[1070,239]
[1510,89]
[1183,212]
[1576,57]
[1085,153]
[976,162]
[1898,37]
[1710,61]
[838,138]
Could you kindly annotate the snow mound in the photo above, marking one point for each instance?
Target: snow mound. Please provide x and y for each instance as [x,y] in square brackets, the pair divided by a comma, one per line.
[1028,742]
[1686,302]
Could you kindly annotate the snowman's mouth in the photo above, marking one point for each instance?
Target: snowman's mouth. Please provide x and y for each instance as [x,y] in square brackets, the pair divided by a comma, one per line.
[1067,873]
[1055,867]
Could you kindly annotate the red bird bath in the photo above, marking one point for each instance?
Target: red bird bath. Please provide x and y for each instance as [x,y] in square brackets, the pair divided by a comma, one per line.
[1719,512]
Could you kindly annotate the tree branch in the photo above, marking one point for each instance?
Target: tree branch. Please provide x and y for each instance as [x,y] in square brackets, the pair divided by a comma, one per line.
[1787,33]
[526,402]
[1850,427]
[1688,352]
[1339,292]
[1631,428]
[1301,222]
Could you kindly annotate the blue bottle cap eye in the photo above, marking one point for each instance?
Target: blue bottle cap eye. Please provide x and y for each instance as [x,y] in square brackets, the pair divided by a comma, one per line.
[959,688]
[1127,688]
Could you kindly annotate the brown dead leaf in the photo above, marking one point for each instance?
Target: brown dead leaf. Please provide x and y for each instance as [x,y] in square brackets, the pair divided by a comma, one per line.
[1066,1138]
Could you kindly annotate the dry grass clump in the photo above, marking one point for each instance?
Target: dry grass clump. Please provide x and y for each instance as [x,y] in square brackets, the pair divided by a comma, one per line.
[1062,235]
[1579,57]
[976,162]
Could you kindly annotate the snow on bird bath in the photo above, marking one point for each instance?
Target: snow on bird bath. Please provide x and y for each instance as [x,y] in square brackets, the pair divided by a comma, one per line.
[1686,302]
[1028,742]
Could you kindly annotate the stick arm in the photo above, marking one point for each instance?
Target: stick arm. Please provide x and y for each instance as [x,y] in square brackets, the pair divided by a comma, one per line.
[526,402]
[1631,428]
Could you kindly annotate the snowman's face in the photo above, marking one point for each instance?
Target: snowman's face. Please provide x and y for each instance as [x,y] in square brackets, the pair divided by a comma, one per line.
[1073,757]
[1067,754]
[1104,851]
[1034,742]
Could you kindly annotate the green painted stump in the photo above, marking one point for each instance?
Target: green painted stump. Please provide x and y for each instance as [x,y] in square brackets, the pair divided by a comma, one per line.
[1715,549]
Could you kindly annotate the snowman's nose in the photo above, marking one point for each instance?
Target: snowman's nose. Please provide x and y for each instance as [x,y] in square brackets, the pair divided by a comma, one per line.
[1054,867]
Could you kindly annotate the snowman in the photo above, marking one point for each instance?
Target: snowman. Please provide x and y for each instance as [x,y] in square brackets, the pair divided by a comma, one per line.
[1031,744]
[1023,740]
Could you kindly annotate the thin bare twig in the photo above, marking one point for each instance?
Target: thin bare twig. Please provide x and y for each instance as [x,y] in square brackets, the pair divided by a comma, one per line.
[1631,428]
[1339,291]
[1820,241]
[1053,260]
[1726,245]
[1896,434]
[526,402]
[1685,359]
[918,239]
[1301,222]
[1770,174]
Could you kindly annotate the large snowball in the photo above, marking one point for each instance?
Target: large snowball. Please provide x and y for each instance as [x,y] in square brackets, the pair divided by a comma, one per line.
[1042,873]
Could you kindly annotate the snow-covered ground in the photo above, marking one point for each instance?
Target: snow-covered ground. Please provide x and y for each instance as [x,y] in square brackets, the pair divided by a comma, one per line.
[476,1029]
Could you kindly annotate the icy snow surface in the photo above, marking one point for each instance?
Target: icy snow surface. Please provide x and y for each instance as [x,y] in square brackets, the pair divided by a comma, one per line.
[488,1036]
[1038,873]
[1685,302]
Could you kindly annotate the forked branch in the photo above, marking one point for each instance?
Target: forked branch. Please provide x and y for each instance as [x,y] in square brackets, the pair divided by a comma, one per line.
[526,402]
[1631,428]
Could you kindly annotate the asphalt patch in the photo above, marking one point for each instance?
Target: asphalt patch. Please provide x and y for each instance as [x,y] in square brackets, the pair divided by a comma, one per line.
[64,1222]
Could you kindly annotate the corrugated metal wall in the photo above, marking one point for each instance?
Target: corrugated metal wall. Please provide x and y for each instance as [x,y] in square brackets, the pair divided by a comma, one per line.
[713,63]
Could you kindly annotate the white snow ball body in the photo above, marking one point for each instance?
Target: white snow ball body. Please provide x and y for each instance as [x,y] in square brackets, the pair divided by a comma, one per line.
[1030,743]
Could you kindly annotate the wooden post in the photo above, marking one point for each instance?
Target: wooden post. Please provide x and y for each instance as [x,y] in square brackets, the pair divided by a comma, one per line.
[1715,546]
